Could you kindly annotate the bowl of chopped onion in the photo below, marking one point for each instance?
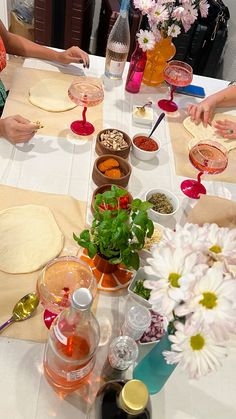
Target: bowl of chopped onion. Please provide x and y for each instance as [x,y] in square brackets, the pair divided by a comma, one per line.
[155,331]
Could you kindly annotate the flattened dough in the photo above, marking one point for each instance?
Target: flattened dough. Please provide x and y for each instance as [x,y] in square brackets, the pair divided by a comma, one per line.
[51,95]
[30,237]
[199,132]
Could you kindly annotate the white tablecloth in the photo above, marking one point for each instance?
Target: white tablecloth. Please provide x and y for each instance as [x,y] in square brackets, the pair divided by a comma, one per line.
[55,165]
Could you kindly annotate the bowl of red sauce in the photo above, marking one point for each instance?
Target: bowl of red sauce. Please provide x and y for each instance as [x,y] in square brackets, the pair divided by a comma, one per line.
[144,147]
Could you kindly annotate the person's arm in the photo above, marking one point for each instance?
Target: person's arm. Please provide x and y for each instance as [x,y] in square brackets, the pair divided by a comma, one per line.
[204,111]
[17,45]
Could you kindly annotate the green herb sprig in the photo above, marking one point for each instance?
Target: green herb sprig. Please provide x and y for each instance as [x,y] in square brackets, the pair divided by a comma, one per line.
[117,235]
[140,289]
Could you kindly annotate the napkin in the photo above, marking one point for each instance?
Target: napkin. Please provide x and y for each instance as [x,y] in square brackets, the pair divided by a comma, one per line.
[70,216]
[212,209]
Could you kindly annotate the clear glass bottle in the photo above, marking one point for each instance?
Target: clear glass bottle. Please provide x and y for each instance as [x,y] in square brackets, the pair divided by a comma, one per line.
[72,343]
[136,69]
[137,321]
[122,400]
[118,44]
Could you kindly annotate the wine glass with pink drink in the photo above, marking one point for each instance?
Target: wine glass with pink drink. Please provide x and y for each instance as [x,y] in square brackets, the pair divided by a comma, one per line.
[86,92]
[177,74]
[208,157]
[57,282]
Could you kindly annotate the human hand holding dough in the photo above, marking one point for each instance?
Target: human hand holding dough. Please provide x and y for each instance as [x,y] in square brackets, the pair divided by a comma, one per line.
[201,133]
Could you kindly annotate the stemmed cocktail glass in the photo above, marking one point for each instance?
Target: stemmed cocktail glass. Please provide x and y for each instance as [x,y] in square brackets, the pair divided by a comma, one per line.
[176,73]
[57,282]
[208,157]
[86,92]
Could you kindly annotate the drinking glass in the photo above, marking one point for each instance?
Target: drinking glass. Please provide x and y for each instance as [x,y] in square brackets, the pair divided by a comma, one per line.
[208,157]
[176,73]
[86,92]
[57,282]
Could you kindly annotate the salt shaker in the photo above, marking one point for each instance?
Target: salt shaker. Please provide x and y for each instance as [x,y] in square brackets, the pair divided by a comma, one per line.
[123,352]
[137,321]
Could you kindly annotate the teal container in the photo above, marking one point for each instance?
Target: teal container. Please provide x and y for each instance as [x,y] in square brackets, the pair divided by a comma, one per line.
[153,369]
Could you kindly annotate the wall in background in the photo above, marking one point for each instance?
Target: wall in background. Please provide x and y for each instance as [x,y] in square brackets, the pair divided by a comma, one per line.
[229,70]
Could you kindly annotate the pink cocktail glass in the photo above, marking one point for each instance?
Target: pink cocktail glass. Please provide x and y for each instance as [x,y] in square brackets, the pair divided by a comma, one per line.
[86,92]
[208,157]
[177,74]
[57,282]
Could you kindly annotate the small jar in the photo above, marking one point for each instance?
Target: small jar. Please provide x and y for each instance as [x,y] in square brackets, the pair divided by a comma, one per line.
[123,352]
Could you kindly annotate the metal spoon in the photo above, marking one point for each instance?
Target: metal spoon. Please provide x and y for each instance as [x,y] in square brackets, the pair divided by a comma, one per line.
[157,123]
[23,310]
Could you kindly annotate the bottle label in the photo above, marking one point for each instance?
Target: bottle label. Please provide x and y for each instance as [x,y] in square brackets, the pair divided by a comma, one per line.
[62,338]
[81,372]
[116,68]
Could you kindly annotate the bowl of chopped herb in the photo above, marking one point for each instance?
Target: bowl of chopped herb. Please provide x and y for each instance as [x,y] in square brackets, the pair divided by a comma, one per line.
[137,289]
[165,203]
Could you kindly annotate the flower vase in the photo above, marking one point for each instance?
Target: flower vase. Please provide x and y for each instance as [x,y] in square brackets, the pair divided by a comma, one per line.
[156,61]
[136,69]
[153,369]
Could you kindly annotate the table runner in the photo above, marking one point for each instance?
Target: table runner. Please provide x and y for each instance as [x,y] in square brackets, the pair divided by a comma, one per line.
[54,123]
[180,139]
[70,216]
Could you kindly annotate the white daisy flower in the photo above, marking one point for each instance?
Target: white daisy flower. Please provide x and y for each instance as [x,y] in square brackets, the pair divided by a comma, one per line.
[173,30]
[173,271]
[221,242]
[196,352]
[189,236]
[146,40]
[211,302]
[203,6]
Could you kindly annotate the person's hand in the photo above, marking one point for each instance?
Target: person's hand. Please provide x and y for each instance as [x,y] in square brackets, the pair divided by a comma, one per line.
[17,129]
[74,55]
[202,112]
[225,128]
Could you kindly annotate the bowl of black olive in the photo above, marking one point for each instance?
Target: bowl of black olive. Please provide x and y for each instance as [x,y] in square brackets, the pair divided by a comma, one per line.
[164,203]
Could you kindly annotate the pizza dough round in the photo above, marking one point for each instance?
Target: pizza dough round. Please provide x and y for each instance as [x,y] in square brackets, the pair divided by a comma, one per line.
[51,95]
[30,237]
[201,133]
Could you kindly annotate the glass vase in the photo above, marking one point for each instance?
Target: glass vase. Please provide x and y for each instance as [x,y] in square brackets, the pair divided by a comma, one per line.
[136,69]
[156,61]
[153,369]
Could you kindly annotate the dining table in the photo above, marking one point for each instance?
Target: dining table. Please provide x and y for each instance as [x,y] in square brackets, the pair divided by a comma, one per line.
[61,165]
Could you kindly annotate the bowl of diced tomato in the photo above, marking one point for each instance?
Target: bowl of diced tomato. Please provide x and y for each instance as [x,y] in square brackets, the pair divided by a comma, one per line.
[123,202]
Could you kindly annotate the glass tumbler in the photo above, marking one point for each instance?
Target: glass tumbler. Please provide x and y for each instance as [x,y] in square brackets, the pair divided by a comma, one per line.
[137,321]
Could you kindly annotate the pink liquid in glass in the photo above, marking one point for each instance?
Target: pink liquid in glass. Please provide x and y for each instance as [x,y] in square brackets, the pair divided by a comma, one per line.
[177,73]
[86,92]
[208,157]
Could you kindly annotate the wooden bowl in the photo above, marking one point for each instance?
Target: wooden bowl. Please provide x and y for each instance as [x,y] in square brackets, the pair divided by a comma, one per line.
[100,178]
[102,149]
[105,188]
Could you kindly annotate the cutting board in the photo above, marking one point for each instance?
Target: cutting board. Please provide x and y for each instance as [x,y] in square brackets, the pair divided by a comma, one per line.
[54,123]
